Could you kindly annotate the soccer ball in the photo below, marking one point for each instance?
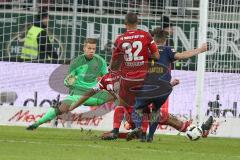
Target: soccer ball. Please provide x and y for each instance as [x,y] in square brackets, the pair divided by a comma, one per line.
[194,132]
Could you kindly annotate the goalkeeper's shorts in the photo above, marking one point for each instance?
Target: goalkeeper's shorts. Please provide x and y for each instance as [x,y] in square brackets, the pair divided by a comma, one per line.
[96,100]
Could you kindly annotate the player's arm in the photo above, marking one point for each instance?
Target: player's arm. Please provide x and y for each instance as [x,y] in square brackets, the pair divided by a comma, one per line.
[154,51]
[104,69]
[70,79]
[115,62]
[191,53]
[153,48]
[117,57]
[174,82]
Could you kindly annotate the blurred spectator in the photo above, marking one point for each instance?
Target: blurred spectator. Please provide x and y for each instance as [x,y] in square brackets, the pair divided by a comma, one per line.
[214,107]
[37,43]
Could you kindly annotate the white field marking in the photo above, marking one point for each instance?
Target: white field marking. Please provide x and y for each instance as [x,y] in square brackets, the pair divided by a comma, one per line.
[110,147]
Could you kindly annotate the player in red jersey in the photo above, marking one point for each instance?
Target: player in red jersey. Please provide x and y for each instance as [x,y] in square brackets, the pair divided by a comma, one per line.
[130,60]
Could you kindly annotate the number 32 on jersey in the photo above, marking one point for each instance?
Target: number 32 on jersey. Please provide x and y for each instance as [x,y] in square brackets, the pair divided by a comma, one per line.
[129,54]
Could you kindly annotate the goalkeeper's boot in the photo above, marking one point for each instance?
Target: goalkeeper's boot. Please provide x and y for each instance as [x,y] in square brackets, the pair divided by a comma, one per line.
[32,127]
[207,126]
[135,134]
[112,135]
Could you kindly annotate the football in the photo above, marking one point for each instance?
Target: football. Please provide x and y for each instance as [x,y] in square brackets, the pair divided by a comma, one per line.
[194,132]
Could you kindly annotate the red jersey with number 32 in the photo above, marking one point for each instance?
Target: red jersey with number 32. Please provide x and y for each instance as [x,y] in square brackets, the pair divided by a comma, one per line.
[134,46]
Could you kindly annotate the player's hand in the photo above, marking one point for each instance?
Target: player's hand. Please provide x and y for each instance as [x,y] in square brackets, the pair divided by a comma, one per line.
[175,82]
[204,47]
[70,80]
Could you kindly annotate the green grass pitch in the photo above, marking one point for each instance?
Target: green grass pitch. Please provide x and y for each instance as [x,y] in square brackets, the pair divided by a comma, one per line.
[69,144]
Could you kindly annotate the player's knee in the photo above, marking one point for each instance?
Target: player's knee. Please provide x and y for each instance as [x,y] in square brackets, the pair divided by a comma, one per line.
[64,108]
[164,118]
[119,109]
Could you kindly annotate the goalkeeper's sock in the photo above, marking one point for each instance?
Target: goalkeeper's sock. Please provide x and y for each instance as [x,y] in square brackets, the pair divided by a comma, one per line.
[51,114]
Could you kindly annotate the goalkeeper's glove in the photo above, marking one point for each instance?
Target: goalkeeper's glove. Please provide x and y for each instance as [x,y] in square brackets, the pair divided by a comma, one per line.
[70,80]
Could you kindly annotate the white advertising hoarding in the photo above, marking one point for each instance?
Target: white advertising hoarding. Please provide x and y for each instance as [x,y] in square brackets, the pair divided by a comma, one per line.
[25,95]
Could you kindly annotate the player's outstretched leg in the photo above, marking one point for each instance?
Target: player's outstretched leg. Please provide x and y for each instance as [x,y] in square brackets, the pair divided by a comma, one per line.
[50,115]
[171,120]
[206,126]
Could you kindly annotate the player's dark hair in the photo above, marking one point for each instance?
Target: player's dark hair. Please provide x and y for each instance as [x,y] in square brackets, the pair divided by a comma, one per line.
[90,41]
[160,34]
[42,13]
[166,22]
[131,18]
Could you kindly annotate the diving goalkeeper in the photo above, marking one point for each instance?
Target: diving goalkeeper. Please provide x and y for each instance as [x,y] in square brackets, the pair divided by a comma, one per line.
[84,72]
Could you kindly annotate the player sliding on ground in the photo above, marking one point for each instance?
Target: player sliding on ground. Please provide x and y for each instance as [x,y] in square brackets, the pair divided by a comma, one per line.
[168,56]
[84,72]
[107,83]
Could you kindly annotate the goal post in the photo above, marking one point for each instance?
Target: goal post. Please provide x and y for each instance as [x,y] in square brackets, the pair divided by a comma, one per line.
[201,61]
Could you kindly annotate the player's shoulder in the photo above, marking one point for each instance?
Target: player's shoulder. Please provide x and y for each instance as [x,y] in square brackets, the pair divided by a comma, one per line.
[77,58]
[146,35]
[119,37]
[168,49]
[143,32]
[100,58]
[164,48]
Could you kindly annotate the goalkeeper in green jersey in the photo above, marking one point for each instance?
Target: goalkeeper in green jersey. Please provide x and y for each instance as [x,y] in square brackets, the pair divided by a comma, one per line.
[84,72]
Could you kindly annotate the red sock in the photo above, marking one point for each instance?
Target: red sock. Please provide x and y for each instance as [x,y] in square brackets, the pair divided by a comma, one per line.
[185,126]
[145,123]
[118,116]
[164,117]
[205,134]
[129,123]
